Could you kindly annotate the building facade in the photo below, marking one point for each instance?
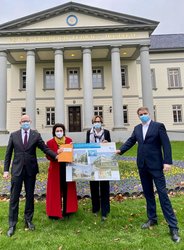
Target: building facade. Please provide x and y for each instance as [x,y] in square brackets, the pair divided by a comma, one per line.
[70,62]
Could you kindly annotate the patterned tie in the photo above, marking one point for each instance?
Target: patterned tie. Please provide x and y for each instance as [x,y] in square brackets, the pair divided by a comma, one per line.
[25,138]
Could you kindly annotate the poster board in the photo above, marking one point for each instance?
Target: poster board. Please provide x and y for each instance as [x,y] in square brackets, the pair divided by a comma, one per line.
[93,161]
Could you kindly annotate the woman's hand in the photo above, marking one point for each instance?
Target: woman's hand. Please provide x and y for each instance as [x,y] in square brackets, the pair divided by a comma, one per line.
[104,141]
[60,150]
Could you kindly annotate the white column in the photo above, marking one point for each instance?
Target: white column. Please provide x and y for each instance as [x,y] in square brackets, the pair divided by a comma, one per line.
[88,88]
[147,94]
[117,98]
[3,91]
[59,87]
[31,87]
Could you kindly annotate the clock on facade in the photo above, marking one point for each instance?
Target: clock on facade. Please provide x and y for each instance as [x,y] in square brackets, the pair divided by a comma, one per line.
[72,20]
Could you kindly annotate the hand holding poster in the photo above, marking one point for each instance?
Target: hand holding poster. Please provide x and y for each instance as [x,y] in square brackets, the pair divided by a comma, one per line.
[93,161]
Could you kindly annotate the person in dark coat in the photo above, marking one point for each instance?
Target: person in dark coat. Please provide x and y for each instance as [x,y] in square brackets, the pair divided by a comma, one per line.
[61,197]
[153,158]
[99,189]
[23,144]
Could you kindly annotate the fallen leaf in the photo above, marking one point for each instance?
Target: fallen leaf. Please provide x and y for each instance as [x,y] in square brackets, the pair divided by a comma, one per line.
[117,239]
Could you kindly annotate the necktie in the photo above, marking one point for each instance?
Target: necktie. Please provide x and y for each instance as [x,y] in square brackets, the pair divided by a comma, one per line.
[25,138]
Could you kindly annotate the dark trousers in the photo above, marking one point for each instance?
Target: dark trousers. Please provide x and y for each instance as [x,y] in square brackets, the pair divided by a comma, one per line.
[147,177]
[16,187]
[63,187]
[100,196]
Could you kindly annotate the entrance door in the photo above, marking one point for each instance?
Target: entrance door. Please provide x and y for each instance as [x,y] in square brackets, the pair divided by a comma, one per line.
[74,119]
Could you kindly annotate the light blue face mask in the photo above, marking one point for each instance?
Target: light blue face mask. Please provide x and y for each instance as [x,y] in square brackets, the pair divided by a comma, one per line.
[97,125]
[25,125]
[144,118]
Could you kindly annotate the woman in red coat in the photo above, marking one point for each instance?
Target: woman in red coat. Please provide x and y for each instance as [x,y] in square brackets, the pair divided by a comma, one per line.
[61,196]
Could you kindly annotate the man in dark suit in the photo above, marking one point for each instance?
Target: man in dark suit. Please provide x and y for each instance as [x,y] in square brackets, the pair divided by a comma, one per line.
[153,158]
[24,169]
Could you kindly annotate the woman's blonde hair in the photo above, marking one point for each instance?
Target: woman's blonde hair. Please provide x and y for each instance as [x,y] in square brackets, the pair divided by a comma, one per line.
[97,116]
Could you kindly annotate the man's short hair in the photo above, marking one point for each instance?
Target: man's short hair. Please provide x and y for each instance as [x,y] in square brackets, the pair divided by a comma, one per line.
[142,109]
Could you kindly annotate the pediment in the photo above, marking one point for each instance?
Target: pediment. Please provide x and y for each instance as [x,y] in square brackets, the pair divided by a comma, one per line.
[74,16]
[73,19]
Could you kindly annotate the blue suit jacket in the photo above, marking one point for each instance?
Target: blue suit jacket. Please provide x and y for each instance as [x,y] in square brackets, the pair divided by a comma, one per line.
[155,150]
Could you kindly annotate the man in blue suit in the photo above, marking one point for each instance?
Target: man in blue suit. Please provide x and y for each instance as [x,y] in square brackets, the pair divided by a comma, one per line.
[153,158]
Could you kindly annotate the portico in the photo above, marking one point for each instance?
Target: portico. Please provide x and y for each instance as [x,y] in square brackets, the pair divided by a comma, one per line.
[36,43]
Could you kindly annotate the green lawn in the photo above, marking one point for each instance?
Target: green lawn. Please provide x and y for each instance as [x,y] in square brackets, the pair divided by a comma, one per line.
[177,151]
[3,151]
[84,231]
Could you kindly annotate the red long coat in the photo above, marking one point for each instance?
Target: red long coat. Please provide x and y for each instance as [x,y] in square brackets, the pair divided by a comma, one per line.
[53,195]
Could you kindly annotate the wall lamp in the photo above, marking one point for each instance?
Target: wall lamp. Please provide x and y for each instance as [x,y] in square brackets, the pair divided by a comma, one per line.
[38,111]
[110,109]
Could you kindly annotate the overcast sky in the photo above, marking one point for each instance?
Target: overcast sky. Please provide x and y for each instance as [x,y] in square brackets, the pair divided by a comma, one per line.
[168,12]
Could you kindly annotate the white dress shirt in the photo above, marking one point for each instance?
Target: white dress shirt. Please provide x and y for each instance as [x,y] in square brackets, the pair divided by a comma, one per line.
[145,127]
[23,134]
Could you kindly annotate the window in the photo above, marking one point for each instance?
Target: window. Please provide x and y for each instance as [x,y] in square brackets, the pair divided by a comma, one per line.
[98,110]
[174,78]
[153,79]
[177,113]
[73,78]
[124,76]
[23,111]
[50,116]
[97,78]
[125,114]
[49,82]
[22,79]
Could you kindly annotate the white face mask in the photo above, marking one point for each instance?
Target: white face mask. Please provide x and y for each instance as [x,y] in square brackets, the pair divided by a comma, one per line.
[59,134]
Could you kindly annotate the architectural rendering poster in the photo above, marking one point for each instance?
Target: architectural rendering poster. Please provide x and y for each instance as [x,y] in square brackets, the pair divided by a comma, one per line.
[93,161]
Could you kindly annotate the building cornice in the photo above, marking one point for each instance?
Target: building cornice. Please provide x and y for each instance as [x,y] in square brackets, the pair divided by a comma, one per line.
[79,30]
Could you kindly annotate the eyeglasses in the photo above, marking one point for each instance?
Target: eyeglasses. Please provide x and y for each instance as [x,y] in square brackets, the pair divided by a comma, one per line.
[97,121]
[145,113]
[59,130]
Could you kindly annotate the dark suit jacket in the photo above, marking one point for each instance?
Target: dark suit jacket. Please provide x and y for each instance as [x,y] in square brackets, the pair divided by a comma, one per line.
[155,150]
[106,135]
[25,156]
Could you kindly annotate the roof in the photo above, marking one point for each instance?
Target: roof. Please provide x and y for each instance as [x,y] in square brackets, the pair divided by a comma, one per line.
[129,23]
[167,42]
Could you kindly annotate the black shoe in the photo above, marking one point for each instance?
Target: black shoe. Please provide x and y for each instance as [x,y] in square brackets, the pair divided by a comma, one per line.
[10,231]
[66,215]
[29,225]
[54,218]
[148,224]
[175,235]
